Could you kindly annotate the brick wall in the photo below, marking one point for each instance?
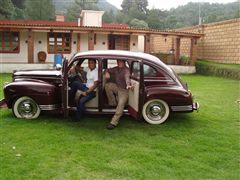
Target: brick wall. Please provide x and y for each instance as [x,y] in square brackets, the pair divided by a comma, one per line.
[220,43]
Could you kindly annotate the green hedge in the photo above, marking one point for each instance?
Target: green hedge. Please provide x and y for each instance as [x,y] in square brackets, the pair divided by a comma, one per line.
[218,69]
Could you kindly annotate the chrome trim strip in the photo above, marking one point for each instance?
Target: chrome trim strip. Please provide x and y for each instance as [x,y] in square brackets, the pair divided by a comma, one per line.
[96,110]
[49,107]
[113,110]
[91,110]
[74,108]
[182,108]
[158,80]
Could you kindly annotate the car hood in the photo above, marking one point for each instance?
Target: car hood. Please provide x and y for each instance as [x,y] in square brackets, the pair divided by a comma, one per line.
[43,75]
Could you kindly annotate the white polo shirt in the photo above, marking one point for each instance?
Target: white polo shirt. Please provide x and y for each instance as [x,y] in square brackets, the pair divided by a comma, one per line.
[91,76]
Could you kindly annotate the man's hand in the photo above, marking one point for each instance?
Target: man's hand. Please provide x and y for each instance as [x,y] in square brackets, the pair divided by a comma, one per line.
[84,94]
[130,87]
[107,75]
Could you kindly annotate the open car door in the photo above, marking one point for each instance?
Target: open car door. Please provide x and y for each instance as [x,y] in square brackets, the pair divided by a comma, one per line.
[65,88]
[135,99]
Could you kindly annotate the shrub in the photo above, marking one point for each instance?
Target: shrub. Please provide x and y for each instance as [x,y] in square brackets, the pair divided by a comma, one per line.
[184,60]
[218,69]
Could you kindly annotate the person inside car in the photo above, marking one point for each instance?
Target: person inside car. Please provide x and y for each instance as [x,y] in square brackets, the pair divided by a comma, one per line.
[76,73]
[88,89]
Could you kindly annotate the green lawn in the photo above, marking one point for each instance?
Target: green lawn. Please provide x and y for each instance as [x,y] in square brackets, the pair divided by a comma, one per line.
[199,145]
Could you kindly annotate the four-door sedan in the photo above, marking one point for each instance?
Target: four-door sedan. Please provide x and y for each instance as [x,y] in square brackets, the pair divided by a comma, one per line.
[158,91]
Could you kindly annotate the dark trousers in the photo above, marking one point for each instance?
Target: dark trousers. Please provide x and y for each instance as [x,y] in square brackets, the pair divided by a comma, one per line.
[76,85]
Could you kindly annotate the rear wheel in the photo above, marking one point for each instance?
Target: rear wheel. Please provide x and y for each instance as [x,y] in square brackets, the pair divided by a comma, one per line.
[155,111]
[26,108]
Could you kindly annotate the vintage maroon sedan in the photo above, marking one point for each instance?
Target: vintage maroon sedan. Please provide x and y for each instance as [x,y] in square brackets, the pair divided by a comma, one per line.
[157,89]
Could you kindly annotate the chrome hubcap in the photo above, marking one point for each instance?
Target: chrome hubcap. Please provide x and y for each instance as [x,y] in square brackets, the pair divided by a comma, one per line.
[27,108]
[155,111]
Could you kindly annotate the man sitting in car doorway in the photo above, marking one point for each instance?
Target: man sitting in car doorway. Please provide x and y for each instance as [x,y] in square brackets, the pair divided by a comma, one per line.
[77,73]
[88,89]
[117,91]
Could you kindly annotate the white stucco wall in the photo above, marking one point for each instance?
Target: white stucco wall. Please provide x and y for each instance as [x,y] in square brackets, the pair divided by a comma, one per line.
[84,42]
[134,43]
[141,43]
[21,57]
[40,44]
[101,42]
[92,18]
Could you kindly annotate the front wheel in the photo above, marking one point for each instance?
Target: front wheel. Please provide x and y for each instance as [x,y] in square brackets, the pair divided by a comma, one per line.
[155,111]
[26,108]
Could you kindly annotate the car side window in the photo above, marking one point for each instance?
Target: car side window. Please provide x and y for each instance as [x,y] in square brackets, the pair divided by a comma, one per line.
[136,70]
[149,71]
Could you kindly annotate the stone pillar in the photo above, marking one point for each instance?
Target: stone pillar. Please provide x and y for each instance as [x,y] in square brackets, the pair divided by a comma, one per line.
[193,52]
[91,40]
[147,43]
[30,46]
[177,50]
[78,42]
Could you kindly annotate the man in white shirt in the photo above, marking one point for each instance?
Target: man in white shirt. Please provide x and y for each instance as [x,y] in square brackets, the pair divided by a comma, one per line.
[88,88]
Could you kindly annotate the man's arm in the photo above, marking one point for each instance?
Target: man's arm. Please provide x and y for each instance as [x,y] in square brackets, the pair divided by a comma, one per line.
[91,89]
[127,77]
[128,80]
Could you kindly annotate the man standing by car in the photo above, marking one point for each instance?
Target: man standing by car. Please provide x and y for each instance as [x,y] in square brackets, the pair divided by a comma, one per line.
[117,91]
[88,88]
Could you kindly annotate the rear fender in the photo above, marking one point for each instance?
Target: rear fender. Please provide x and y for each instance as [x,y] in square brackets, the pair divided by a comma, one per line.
[172,96]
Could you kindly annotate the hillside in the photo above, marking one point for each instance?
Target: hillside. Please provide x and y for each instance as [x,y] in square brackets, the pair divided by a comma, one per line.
[188,14]
[182,16]
[62,5]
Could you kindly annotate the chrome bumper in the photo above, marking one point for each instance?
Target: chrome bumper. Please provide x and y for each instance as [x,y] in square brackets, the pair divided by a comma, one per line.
[3,103]
[196,106]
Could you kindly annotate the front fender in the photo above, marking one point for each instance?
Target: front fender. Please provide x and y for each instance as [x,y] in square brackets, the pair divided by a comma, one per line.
[42,92]
[173,96]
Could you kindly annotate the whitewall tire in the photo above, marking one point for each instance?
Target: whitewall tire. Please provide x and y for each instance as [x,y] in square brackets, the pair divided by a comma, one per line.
[155,111]
[26,108]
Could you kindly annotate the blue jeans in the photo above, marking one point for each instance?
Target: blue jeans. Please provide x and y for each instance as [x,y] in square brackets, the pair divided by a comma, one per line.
[77,85]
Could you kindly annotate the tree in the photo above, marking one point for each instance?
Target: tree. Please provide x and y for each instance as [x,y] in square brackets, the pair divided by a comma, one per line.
[135,13]
[122,18]
[19,9]
[108,17]
[142,6]
[170,22]
[153,19]
[73,12]
[7,10]
[135,9]
[18,3]
[126,5]
[136,23]
[40,10]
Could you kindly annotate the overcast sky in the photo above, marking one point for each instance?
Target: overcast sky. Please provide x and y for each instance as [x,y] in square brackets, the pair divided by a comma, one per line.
[168,4]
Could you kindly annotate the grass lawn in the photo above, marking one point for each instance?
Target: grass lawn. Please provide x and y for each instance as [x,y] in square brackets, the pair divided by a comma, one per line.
[199,145]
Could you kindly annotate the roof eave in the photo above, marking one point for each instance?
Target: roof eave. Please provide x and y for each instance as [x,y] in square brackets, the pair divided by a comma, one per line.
[99,29]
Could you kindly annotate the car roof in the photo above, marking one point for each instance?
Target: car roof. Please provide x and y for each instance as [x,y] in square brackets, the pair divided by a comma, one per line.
[120,53]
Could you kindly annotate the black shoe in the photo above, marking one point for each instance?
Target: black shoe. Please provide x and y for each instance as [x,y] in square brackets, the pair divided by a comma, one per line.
[110,126]
[75,119]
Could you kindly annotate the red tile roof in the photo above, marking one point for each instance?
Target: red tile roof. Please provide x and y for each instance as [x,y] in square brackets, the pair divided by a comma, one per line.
[115,25]
[54,23]
[38,24]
